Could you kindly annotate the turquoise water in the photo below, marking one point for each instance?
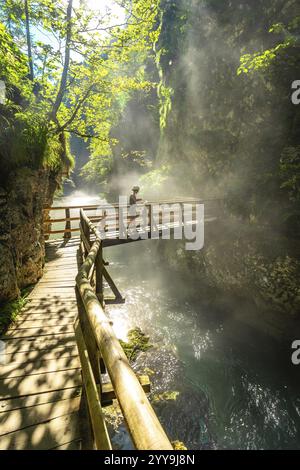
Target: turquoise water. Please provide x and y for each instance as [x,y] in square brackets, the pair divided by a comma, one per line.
[236,387]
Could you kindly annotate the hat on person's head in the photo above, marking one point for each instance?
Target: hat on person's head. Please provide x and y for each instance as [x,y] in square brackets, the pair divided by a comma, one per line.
[135,188]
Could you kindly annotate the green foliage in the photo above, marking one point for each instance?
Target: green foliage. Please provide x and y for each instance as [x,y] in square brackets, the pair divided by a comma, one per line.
[165,396]
[103,64]
[136,158]
[10,310]
[124,75]
[155,179]
[99,168]
[276,281]
[25,141]
[227,133]
[173,23]
[24,134]
[165,96]
[263,61]
[13,65]
[178,445]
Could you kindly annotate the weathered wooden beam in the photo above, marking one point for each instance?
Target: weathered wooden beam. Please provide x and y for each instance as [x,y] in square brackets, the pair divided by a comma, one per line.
[189,200]
[99,267]
[114,300]
[61,231]
[64,219]
[142,422]
[86,208]
[108,394]
[101,437]
[90,342]
[111,284]
[67,233]
[86,242]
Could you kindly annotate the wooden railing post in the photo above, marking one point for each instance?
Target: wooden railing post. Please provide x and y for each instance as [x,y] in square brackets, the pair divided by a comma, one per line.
[150,220]
[86,231]
[92,392]
[88,234]
[99,275]
[82,250]
[90,341]
[67,233]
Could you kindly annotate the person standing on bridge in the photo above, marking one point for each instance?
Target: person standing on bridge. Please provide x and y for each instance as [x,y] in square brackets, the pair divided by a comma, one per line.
[133,213]
[133,197]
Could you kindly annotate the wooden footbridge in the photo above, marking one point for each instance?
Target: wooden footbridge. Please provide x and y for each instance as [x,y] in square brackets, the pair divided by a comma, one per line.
[61,363]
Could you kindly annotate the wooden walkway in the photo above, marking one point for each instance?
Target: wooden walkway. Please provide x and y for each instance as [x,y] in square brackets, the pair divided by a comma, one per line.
[40,381]
[40,371]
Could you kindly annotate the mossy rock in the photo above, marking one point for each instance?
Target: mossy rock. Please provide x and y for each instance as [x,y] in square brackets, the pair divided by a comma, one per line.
[149,371]
[165,396]
[10,310]
[137,342]
[178,445]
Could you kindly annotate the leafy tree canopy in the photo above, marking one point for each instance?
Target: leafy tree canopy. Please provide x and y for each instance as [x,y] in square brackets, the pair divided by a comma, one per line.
[73,66]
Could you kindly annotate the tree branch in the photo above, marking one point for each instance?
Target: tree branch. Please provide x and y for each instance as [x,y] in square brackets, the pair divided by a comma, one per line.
[86,136]
[77,107]
[64,76]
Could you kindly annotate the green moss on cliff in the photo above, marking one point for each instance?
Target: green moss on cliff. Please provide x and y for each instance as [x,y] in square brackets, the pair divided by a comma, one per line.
[9,311]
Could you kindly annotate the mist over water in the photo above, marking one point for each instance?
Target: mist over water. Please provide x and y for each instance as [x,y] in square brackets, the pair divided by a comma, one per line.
[78,198]
[233,386]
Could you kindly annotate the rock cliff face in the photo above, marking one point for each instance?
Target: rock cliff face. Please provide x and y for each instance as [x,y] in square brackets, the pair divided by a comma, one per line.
[234,136]
[243,263]
[22,252]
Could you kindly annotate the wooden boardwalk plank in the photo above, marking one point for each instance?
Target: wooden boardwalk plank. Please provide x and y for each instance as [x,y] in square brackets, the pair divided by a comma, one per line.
[39,315]
[49,343]
[73,445]
[39,323]
[46,308]
[39,399]
[41,382]
[19,369]
[45,330]
[43,436]
[42,355]
[44,291]
[40,378]
[21,418]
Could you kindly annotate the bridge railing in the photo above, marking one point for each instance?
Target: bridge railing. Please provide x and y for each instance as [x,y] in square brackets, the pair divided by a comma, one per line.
[67,221]
[100,352]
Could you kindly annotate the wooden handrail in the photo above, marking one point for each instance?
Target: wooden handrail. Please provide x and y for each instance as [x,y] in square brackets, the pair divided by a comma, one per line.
[143,425]
[59,208]
[68,219]
[116,205]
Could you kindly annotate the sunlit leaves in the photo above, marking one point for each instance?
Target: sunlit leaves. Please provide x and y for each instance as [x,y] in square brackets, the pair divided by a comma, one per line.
[13,65]
[263,60]
[106,66]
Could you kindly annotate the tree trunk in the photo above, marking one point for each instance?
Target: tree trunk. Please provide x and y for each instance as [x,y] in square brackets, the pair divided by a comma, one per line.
[64,76]
[30,61]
